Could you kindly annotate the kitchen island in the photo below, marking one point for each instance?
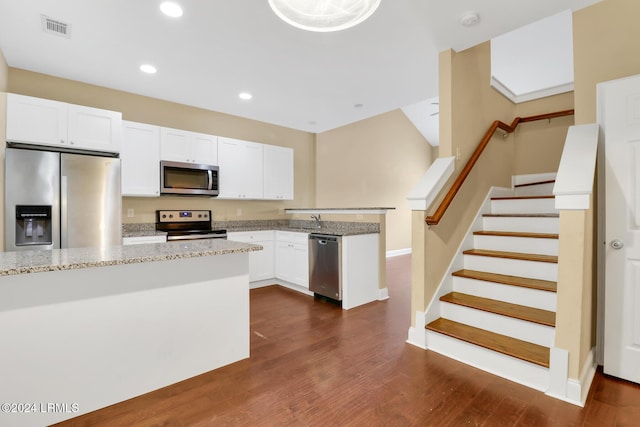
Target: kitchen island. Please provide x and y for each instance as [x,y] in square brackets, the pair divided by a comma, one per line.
[86,328]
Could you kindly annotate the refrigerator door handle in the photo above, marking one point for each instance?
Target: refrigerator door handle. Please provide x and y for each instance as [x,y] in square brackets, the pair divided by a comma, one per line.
[64,238]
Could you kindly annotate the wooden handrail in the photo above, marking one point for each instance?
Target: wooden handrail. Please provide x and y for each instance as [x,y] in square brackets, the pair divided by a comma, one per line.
[497,124]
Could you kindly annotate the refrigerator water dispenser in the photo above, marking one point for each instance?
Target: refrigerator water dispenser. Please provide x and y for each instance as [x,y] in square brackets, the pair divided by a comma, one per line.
[33,225]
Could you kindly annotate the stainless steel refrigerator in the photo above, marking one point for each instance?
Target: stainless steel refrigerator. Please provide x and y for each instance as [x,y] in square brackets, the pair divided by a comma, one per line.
[61,200]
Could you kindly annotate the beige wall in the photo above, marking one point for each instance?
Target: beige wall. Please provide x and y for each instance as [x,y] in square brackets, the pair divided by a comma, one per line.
[605,42]
[605,47]
[374,162]
[157,112]
[538,145]
[473,105]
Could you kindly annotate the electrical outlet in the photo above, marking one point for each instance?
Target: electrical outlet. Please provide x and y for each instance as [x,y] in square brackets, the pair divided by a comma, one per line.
[359,216]
[238,212]
[130,213]
[457,153]
[281,211]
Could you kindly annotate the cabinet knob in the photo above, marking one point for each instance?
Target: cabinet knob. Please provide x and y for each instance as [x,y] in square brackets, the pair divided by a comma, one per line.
[62,141]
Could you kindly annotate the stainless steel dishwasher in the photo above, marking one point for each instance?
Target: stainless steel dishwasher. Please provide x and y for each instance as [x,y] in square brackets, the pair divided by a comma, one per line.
[325,266]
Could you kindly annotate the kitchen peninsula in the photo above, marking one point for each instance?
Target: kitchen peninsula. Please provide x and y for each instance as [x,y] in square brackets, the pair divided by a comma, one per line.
[86,328]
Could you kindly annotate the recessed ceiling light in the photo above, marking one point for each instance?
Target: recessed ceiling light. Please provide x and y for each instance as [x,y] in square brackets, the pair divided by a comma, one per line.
[171,9]
[149,69]
[245,95]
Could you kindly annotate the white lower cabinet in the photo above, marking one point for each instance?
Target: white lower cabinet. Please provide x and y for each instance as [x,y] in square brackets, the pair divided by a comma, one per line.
[261,263]
[292,257]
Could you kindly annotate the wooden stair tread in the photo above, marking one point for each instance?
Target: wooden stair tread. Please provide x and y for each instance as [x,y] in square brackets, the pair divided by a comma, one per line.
[516,234]
[523,282]
[523,215]
[551,181]
[512,255]
[513,347]
[522,197]
[529,314]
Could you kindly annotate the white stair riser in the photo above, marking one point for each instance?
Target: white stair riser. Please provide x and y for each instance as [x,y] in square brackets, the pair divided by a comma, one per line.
[534,190]
[535,298]
[523,206]
[512,267]
[519,371]
[522,224]
[503,325]
[527,245]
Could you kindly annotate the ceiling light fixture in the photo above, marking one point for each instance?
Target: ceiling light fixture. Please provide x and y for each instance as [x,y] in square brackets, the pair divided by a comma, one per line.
[149,69]
[324,15]
[469,19]
[245,95]
[171,9]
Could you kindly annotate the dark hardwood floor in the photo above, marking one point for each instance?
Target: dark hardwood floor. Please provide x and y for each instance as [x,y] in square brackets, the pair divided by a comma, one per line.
[313,364]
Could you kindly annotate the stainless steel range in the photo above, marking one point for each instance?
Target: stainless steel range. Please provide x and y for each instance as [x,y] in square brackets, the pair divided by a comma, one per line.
[187,225]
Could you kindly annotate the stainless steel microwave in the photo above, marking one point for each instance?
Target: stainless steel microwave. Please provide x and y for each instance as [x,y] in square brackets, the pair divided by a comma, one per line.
[188,179]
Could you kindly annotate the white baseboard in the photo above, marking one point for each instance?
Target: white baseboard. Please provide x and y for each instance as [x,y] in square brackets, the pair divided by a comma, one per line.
[383,294]
[576,391]
[398,252]
[417,335]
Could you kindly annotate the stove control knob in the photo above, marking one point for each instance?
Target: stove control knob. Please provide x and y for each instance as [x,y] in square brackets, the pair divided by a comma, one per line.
[170,215]
[164,215]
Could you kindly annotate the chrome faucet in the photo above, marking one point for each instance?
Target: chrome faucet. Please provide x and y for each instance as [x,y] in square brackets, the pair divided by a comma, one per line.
[317,218]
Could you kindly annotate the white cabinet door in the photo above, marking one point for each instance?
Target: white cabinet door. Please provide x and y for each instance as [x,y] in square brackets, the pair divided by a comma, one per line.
[36,121]
[174,145]
[278,172]
[45,122]
[241,169]
[300,265]
[292,257]
[140,156]
[94,129]
[261,263]
[203,148]
[179,145]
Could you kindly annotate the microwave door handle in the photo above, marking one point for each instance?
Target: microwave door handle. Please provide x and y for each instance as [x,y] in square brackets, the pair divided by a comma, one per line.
[210,174]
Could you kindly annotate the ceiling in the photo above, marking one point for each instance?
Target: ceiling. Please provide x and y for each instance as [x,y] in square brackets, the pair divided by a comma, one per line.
[303,80]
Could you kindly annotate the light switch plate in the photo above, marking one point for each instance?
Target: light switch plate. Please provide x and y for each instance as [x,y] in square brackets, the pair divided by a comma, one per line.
[130,213]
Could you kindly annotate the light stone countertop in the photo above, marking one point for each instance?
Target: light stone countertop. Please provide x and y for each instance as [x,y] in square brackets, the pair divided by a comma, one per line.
[24,262]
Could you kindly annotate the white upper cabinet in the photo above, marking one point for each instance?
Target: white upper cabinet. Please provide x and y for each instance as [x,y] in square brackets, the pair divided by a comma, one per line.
[140,157]
[94,129]
[241,169]
[45,122]
[278,172]
[190,147]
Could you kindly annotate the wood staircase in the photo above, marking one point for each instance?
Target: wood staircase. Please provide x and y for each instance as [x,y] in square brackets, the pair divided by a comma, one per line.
[500,315]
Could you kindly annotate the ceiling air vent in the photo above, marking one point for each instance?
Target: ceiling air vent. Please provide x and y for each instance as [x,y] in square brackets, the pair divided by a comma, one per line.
[53,26]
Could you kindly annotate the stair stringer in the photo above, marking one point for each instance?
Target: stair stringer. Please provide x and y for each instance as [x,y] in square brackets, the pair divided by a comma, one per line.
[418,335]
[446,285]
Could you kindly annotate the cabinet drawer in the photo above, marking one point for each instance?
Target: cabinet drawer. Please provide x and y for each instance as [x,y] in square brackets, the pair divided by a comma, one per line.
[251,236]
[293,237]
[143,239]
